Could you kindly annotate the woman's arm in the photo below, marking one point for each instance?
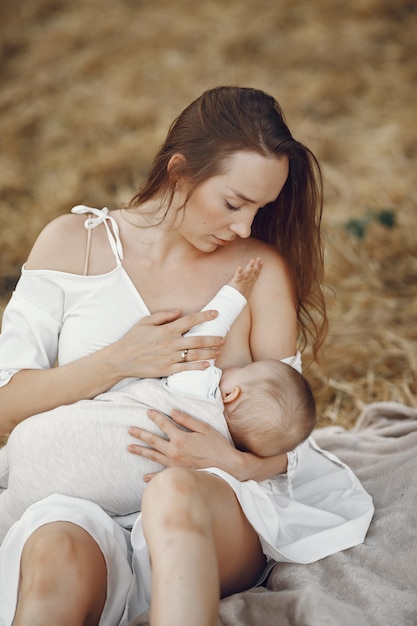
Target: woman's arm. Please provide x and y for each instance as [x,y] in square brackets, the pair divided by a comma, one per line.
[151,348]
[200,447]
[273,310]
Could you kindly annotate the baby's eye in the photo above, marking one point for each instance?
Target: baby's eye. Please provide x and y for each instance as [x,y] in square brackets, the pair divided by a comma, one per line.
[231,207]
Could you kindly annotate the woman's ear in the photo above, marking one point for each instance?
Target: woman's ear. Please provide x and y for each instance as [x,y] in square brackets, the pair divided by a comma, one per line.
[174,164]
[231,396]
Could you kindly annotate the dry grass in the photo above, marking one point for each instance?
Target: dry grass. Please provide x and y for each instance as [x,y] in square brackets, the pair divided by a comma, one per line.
[88,88]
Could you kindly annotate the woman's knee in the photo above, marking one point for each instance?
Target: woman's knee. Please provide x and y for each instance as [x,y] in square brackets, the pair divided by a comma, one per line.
[61,551]
[205,503]
[175,500]
[44,550]
[63,577]
[171,484]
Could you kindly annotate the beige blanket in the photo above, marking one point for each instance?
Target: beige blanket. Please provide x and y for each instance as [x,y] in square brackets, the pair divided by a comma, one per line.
[374,584]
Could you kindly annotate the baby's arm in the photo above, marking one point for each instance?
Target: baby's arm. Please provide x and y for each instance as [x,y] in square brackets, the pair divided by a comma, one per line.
[229,301]
[244,279]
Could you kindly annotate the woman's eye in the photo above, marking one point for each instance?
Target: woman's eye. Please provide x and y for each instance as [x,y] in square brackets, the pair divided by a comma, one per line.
[231,207]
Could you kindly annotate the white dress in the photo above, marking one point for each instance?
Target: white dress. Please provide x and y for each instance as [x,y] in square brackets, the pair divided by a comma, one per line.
[80,449]
[319,507]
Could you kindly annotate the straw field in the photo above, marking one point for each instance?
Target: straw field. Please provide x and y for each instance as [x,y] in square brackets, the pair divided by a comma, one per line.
[89,87]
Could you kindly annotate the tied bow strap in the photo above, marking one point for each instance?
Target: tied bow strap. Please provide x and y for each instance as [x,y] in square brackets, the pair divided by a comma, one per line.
[102,217]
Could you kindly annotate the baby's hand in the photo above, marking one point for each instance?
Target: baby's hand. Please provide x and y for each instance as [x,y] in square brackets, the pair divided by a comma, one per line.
[244,279]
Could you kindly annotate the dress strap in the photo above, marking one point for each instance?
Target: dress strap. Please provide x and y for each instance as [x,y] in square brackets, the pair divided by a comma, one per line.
[101,216]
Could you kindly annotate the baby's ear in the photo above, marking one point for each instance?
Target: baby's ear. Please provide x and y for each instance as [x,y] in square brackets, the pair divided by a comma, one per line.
[231,396]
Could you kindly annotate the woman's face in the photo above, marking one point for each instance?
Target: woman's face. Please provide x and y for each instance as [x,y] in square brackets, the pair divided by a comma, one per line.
[224,206]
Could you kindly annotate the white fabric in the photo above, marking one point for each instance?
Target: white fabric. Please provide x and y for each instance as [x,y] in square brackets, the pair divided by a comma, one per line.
[205,383]
[80,450]
[294,361]
[57,314]
[111,537]
[102,216]
[54,314]
[327,511]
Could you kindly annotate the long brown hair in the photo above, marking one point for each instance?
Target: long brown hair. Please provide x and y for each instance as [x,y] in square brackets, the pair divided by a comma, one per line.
[226,120]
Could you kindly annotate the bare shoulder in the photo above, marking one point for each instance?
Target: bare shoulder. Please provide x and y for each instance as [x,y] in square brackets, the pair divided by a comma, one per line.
[275,267]
[61,245]
[275,285]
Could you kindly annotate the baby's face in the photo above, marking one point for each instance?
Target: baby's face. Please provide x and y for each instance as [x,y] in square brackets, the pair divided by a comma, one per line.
[238,376]
[230,378]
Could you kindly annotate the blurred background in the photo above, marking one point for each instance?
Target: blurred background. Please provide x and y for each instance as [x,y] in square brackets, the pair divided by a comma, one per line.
[88,89]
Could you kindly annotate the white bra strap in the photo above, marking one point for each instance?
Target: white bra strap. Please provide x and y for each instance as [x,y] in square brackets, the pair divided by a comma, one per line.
[102,217]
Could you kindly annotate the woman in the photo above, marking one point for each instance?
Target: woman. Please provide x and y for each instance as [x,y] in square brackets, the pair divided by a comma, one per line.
[230,183]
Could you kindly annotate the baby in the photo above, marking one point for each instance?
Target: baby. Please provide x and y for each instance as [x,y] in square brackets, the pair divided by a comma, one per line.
[269,407]
[265,407]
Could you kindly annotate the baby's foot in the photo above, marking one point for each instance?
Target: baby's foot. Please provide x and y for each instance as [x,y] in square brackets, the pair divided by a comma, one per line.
[244,279]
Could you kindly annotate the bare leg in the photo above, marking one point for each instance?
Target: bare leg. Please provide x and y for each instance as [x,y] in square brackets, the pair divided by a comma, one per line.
[63,578]
[201,546]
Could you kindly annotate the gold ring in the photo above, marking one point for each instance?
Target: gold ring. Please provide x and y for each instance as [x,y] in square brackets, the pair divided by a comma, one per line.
[184,354]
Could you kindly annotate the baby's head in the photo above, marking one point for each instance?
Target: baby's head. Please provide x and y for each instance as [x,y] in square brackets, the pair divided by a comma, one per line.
[269,407]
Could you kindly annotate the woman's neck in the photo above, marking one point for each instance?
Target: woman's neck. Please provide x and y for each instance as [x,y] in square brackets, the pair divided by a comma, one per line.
[155,237]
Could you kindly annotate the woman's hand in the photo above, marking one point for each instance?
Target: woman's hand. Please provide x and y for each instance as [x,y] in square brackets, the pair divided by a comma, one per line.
[155,346]
[200,446]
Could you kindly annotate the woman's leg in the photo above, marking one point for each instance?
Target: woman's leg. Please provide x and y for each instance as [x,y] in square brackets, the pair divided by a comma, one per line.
[201,546]
[63,578]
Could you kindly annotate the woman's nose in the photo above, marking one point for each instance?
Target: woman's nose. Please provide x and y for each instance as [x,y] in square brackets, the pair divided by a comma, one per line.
[242,228]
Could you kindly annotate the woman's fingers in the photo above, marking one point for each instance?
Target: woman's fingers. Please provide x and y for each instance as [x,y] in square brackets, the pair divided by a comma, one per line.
[186,421]
[157,445]
[153,448]
[182,323]
[171,449]
[156,347]
[161,318]
[193,319]
[169,331]
[148,477]
[191,443]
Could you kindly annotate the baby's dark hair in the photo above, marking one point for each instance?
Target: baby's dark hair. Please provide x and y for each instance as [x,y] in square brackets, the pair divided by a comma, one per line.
[276,411]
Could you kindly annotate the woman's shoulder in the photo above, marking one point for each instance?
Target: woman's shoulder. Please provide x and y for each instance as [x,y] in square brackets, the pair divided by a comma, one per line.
[65,245]
[270,256]
[276,275]
[60,246]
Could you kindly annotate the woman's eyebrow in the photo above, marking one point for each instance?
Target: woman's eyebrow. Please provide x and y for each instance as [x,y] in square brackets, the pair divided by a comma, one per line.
[242,196]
